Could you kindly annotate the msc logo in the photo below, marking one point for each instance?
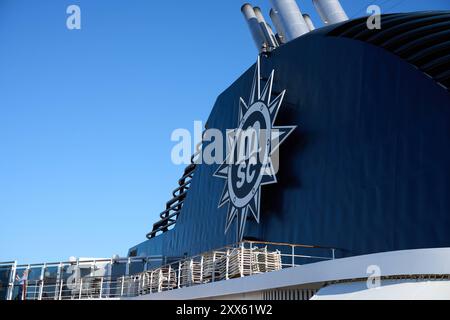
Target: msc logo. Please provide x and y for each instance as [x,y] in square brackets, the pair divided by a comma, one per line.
[250,162]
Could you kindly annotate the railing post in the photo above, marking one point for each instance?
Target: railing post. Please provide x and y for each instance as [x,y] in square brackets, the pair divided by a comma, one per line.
[139,284]
[110,289]
[101,288]
[122,286]
[201,269]
[191,273]
[251,259]
[160,280]
[144,278]
[169,286]
[145,282]
[333,252]
[58,281]
[81,288]
[25,285]
[179,274]
[41,288]
[12,279]
[213,277]
[60,289]
[293,256]
[266,258]
[241,255]
[151,282]
[227,265]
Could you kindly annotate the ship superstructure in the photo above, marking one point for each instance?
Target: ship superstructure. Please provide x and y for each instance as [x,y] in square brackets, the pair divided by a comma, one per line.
[356,205]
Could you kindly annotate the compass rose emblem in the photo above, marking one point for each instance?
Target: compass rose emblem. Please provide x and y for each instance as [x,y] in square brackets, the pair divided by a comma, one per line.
[249,164]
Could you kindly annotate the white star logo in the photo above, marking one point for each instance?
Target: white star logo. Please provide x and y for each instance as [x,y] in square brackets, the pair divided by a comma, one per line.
[254,166]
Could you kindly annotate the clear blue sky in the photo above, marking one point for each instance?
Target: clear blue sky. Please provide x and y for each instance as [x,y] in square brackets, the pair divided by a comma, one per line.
[86,116]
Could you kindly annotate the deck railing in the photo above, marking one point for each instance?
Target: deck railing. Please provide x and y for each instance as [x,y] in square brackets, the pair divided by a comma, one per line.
[240,260]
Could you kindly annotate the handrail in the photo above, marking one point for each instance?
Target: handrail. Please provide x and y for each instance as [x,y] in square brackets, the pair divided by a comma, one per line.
[290,244]
[237,260]
[118,260]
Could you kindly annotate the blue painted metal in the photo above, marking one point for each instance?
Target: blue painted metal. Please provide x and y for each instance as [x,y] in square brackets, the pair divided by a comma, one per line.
[367,170]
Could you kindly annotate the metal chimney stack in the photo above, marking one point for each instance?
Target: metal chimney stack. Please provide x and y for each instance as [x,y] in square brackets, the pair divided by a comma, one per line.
[309,22]
[294,24]
[255,29]
[266,29]
[278,26]
[330,11]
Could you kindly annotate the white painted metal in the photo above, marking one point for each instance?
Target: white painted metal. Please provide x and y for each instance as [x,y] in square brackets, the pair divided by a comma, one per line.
[255,29]
[291,18]
[293,256]
[396,263]
[179,273]
[309,22]
[330,11]
[58,282]
[245,261]
[400,289]
[42,278]
[81,288]
[278,25]
[60,289]
[11,281]
[267,30]
[101,288]
[241,260]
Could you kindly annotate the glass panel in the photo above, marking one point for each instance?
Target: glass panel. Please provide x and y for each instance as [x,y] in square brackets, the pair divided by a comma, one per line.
[70,275]
[18,288]
[5,273]
[118,269]
[33,283]
[136,267]
[50,289]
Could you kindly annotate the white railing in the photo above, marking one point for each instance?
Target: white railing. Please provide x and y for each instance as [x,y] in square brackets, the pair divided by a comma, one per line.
[240,260]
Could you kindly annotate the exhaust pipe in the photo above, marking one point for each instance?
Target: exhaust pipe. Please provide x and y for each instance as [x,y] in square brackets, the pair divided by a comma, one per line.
[255,29]
[330,11]
[266,29]
[274,36]
[291,18]
[278,26]
[309,22]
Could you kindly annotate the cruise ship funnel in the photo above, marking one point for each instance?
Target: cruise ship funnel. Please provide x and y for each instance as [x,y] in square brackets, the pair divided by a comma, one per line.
[254,26]
[291,18]
[278,26]
[266,29]
[309,22]
[330,11]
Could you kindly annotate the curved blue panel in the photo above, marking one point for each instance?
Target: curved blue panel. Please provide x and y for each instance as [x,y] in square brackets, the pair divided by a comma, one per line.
[367,170]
